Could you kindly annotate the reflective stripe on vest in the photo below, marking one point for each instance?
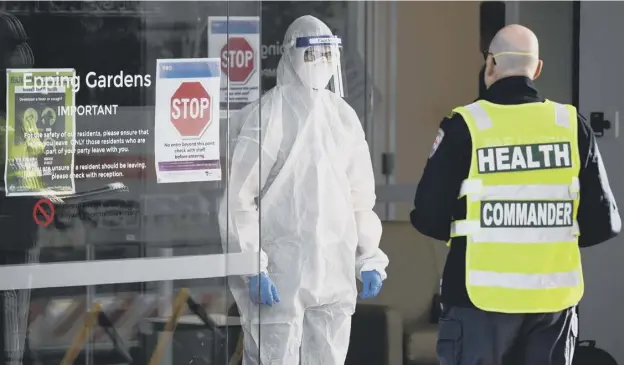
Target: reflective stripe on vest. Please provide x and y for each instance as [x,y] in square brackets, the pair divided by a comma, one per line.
[522,195]
[525,281]
[474,190]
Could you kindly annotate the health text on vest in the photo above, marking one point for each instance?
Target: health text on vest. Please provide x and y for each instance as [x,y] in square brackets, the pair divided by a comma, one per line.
[524,157]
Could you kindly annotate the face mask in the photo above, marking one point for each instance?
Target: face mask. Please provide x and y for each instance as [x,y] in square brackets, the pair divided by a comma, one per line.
[315,75]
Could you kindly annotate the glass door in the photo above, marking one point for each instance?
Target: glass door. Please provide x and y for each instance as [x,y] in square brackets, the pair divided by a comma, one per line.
[113,205]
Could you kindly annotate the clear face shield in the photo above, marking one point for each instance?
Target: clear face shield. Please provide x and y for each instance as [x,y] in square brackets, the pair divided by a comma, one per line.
[318,63]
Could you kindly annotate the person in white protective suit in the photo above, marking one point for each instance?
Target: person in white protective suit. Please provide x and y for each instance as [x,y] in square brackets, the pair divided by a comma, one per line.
[301,169]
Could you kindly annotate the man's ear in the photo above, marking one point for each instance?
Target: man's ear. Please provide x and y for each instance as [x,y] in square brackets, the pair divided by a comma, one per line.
[482,83]
[539,69]
[489,69]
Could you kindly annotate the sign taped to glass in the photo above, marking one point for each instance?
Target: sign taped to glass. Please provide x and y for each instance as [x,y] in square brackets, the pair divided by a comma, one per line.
[186,126]
[39,139]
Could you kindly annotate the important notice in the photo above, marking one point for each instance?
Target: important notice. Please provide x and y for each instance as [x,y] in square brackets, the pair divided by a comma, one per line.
[87,110]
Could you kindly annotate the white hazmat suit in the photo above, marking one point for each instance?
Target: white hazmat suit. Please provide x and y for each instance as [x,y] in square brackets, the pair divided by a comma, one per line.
[301,169]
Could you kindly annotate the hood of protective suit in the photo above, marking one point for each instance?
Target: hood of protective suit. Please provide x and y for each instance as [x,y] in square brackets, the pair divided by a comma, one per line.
[292,69]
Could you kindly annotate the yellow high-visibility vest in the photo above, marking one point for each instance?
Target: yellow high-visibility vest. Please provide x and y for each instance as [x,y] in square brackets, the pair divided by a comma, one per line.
[522,197]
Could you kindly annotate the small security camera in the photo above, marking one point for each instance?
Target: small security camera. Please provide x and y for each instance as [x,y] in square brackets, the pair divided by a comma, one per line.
[599,124]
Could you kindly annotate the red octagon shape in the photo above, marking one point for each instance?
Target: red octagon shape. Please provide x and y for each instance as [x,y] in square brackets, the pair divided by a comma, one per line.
[237,60]
[190,109]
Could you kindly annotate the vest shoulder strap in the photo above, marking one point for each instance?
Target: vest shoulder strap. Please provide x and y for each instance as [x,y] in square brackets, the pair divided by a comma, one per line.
[564,116]
[478,113]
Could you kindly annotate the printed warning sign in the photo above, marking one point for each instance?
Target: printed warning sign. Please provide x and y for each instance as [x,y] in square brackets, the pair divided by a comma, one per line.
[39,141]
[236,40]
[43,212]
[186,131]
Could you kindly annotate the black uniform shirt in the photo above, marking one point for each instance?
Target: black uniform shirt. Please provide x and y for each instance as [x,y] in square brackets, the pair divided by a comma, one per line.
[437,204]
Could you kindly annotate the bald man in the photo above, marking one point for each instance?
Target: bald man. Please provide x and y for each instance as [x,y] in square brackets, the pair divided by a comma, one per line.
[502,185]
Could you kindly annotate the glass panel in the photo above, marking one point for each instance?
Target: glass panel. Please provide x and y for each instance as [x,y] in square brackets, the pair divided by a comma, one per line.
[313,173]
[140,162]
[113,210]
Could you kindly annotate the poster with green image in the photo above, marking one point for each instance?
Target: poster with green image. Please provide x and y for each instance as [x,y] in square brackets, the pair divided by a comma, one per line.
[39,132]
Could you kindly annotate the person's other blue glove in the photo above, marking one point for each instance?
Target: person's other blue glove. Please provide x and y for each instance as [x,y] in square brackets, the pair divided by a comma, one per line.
[371,284]
[261,286]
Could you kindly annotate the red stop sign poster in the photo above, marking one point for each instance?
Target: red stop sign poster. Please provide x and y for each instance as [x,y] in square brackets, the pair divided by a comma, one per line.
[186,114]
[235,40]
[191,109]
[237,60]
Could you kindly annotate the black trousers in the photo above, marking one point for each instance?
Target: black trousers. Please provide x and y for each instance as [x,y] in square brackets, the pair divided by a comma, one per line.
[469,336]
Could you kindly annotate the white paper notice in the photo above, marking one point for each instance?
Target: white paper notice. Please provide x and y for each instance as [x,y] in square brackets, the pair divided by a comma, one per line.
[186,131]
[236,40]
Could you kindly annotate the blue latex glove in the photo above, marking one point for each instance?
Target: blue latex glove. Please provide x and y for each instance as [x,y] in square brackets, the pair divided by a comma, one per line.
[371,284]
[268,292]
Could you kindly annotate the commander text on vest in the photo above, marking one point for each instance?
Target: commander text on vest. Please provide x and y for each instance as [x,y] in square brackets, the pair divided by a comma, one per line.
[540,213]
[503,187]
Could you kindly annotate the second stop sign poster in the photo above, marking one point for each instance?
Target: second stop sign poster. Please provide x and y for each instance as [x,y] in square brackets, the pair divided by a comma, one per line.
[235,40]
[186,131]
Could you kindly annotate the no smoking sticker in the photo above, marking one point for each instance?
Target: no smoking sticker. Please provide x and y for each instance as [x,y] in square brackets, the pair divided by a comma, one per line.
[43,212]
